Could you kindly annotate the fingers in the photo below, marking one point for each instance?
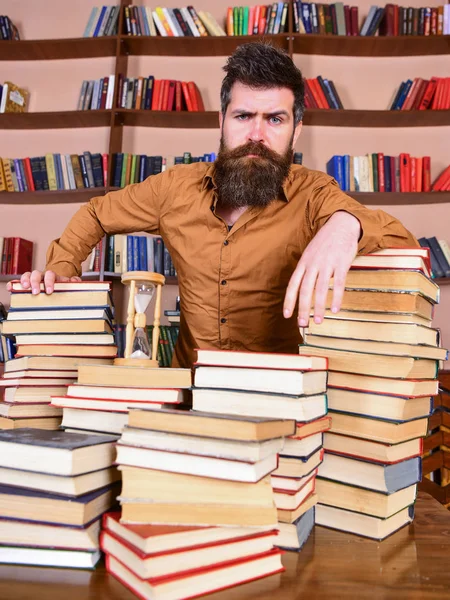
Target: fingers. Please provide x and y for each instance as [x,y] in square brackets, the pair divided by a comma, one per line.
[49,281]
[322,285]
[305,296]
[25,280]
[75,279]
[338,289]
[290,299]
[35,282]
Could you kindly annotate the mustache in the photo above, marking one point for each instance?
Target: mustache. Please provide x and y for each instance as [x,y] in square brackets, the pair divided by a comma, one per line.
[256,148]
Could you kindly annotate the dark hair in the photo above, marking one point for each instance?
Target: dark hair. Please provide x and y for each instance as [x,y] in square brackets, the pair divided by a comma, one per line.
[262,66]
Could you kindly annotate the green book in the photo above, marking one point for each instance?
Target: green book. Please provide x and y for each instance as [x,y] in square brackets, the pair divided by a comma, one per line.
[241,20]
[375,172]
[133,169]
[245,21]
[124,171]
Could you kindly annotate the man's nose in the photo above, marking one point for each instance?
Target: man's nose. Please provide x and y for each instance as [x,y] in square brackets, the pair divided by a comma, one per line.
[256,133]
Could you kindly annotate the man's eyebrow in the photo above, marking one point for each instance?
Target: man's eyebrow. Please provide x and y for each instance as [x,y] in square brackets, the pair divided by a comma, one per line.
[275,113]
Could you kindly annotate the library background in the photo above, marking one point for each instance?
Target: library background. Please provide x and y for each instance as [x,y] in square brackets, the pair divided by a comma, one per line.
[289,471]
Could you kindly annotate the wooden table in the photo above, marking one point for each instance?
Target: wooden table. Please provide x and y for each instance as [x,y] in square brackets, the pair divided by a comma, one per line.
[412,564]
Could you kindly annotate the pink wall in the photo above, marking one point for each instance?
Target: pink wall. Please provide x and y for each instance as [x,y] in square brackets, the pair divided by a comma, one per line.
[55,85]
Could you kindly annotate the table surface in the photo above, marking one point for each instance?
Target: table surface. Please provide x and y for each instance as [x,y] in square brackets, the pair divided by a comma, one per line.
[413,563]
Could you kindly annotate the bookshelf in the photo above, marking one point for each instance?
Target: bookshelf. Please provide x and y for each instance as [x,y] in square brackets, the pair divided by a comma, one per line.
[52,47]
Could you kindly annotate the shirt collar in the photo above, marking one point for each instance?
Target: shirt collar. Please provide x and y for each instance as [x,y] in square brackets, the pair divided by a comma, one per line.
[208,182]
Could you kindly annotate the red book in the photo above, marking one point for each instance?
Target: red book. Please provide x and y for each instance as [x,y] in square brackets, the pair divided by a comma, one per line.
[9,256]
[413,185]
[156,94]
[262,20]
[104,86]
[256,19]
[22,256]
[437,94]
[170,95]
[309,97]
[381,179]
[405,173]
[198,582]
[178,96]
[251,20]
[420,94]
[348,24]
[354,20]
[429,93]
[426,170]
[187,96]
[105,169]
[196,96]
[411,94]
[318,93]
[4,260]
[442,181]
[28,174]
[419,175]
[164,94]
[392,173]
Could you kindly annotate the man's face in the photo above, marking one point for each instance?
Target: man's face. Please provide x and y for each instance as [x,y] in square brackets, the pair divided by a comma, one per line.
[256,146]
[260,115]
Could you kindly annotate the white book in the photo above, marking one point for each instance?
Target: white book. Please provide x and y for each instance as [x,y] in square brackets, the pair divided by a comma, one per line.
[190,22]
[91,22]
[45,557]
[4,94]
[151,23]
[65,174]
[101,31]
[150,254]
[171,21]
[175,22]
[110,93]
[72,184]
[159,25]
[82,95]
[94,99]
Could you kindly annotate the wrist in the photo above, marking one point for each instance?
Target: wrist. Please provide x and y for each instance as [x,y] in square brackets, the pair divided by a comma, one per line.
[347,222]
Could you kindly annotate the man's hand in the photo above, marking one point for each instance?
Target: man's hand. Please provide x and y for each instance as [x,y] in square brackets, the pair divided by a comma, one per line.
[33,280]
[329,254]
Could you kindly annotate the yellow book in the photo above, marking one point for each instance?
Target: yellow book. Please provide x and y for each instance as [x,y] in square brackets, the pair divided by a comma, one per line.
[8,174]
[51,172]
[16,98]
[165,23]
[2,178]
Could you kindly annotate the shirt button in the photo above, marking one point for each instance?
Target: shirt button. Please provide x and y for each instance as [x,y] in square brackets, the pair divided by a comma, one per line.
[225,243]
[212,207]
[223,320]
[224,282]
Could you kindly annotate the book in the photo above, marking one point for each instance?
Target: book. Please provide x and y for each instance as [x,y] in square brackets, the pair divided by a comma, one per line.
[74,326]
[300,408]
[379,477]
[118,376]
[55,452]
[180,561]
[392,261]
[298,467]
[302,447]
[204,466]
[19,503]
[11,382]
[64,485]
[290,484]
[293,536]
[40,373]
[14,423]
[368,502]
[261,380]
[100,312]
[290,500]
[35,409]
[66,286]
[316,426]
[390,408]
[383,385]
[388,432]
[151,485]
[49,557]
[373,451]
[225,426]
[104,405]
[70,299]
[264,360]
[94,420]
[76,351]
[377,365]
[198,582]
[14,98]
[154,539]
[58,339]
[27,533]
[167,395]
[290,516]
[363,525]
[244,451]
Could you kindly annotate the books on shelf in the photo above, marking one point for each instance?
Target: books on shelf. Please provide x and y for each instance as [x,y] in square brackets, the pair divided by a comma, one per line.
[442,182]
[423,94]
[54,172]
[321,93]
[170,22]
[96,94]
[379,173]
[103,21]
[439,253]
[331,19]
[16,255]
[148,93]
[166,344]
[8,31]
[13,99]
[257,20]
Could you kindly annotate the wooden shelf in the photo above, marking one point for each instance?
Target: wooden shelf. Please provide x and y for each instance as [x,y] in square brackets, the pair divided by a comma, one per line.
[169,118]
[58,49]
[402,45]
[6,278]
[404,198]
[193,46]
[442,281]
[56,120]
[51,197]
[376,118]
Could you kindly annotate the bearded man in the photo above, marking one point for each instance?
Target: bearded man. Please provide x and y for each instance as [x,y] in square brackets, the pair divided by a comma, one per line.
[251,235]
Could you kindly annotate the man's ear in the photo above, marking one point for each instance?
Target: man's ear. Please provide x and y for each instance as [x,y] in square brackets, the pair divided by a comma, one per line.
[297,131]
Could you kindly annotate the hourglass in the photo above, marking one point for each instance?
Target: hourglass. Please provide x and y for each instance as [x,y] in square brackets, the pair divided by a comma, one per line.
[138,351]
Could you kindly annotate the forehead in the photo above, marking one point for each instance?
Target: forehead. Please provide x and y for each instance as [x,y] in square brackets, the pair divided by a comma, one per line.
[265,100]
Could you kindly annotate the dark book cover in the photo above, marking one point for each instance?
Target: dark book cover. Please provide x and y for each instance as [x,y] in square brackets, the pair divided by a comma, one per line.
[6,490]
[53,439]
[304,525]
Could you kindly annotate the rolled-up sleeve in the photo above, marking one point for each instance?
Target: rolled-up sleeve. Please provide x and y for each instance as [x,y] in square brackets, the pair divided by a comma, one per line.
[378,228]
[135,208]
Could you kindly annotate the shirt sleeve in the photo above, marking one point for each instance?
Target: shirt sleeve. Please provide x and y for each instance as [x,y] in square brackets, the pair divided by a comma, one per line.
[378,228]
[137,207]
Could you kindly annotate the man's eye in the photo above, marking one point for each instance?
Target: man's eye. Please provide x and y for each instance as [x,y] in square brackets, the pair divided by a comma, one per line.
[275,120]
[242,117]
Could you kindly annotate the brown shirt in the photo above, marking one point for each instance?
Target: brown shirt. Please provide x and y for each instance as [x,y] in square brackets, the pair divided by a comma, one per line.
[232,282]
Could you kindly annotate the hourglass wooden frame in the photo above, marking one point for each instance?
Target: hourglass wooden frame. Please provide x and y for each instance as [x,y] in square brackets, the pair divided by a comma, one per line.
[135,319]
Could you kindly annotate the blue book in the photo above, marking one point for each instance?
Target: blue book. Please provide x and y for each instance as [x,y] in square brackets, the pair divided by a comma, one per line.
[136,261]
[90,22]
[331,95]
[387,174]
[335,168]
[306,17]
[142,167]
[143,262]
[118,169]
[18,175]
[149,93]
[403,95]
[99,22]
[397,95]
[346,172]
[130,253]
[22,174]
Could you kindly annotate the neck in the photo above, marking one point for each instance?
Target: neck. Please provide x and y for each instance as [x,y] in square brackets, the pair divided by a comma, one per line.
[230,215]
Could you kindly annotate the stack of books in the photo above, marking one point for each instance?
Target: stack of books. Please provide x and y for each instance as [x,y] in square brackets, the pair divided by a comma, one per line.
[383,361]
[101,397]
[54,334]
[274,386]
[54,488]
[257,20]
[321,93]
[420,94]
[199,485]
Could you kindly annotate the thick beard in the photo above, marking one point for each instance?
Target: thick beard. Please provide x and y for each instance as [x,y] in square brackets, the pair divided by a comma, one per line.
[253,181]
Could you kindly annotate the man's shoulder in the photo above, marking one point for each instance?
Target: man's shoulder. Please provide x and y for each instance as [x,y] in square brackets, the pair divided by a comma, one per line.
[194,171]
[301,176]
